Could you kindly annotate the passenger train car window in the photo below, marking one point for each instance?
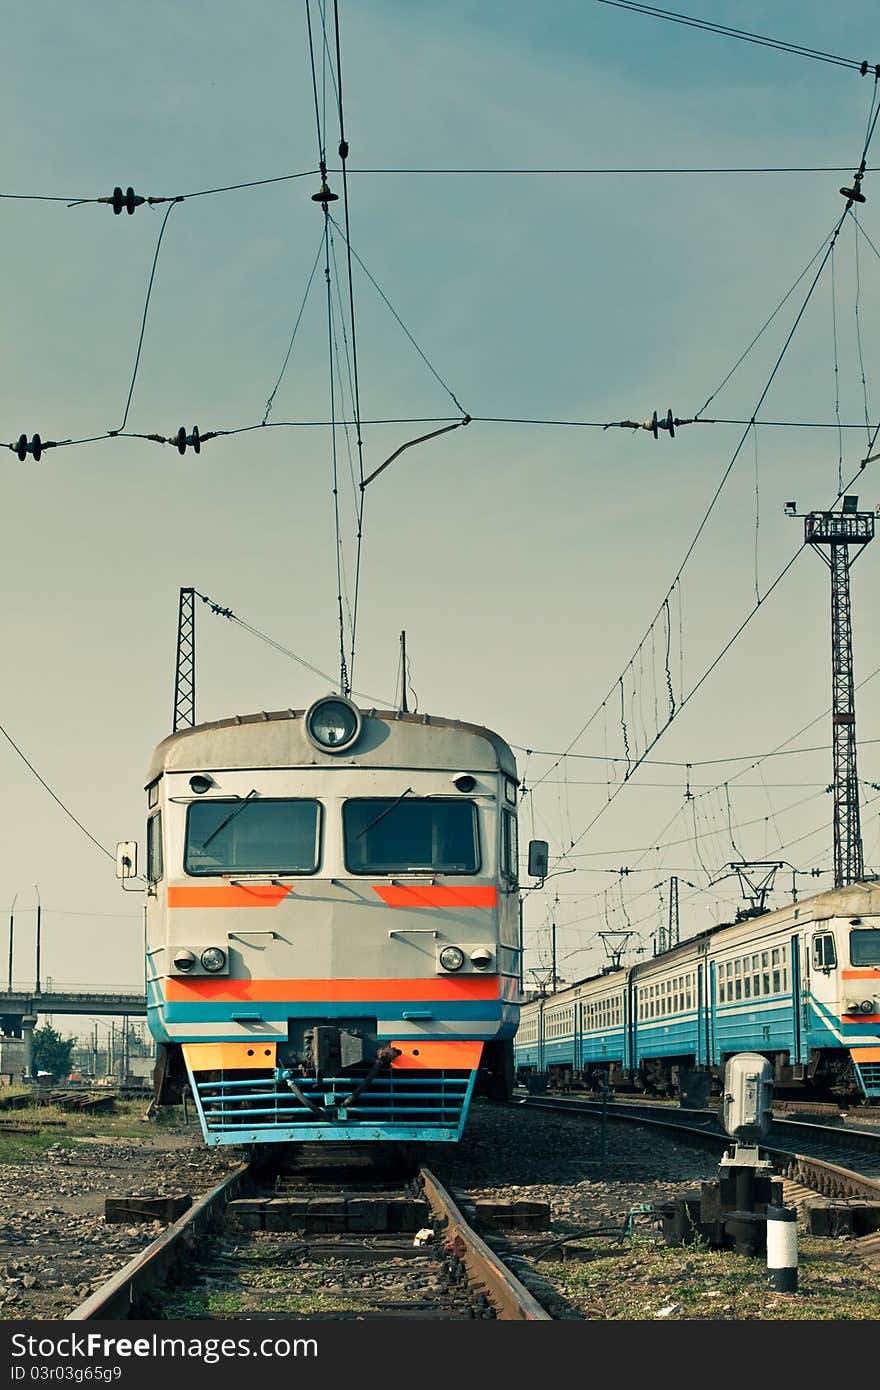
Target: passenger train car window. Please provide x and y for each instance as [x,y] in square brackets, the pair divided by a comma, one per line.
[252,836]
[864,946]
[390,835]
[154,848]
[824,953]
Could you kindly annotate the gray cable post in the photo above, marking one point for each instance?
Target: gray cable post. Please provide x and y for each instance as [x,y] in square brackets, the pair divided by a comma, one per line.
[782,1249]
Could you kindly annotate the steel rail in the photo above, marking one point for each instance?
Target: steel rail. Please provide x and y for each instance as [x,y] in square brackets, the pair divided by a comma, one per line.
[512,1300]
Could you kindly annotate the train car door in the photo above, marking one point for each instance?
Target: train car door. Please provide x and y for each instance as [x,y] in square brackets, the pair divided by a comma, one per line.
[702,1037]
[799,991]
[711,996]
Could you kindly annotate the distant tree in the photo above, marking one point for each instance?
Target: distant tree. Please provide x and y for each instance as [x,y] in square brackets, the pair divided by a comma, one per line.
[52,1053]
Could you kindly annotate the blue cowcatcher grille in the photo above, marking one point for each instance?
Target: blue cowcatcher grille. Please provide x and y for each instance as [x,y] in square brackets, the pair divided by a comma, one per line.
[238,1107]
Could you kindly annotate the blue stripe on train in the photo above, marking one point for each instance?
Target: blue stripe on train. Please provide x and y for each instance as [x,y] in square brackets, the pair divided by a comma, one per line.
[273,1010]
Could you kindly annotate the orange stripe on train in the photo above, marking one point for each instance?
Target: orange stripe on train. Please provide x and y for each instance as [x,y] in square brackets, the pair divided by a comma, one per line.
[229,895]
[437,895]
[327,991]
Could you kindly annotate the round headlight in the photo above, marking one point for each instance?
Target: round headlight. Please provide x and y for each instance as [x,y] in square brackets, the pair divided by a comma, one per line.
[201,784]
[451,958]
[333,723]
[213,959]
[867,1006]
[184,961]
[480,958]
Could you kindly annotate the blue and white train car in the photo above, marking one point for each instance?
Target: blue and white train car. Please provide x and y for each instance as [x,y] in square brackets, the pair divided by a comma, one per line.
[800,985]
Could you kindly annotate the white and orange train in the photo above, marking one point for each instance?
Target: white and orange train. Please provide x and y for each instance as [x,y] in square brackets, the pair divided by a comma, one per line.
[332,927]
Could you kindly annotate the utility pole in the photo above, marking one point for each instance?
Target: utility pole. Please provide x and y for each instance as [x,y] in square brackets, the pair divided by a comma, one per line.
[185,666]
[11,937]
[39,911]
[667,934]
[553,953]
[831,534]
[672,928]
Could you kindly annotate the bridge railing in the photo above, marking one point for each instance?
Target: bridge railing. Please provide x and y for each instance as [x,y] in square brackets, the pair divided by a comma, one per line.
[52,986]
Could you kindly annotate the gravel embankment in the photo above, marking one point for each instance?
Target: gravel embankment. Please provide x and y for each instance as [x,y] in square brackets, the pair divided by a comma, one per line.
[55,1246]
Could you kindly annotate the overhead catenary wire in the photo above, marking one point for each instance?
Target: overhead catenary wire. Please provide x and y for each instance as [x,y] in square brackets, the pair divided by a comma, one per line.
[270,402]
[387,302]
[746,35]
[699,683]
[669,762]
[55,797]
[359,443]
[453,421]
[828,244]
[221,611]
[140,344]
[71,200]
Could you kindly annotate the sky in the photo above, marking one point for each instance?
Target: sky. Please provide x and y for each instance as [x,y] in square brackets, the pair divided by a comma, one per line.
[526,562]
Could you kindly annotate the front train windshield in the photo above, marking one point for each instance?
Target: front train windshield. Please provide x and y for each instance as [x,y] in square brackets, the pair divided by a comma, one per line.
[864,946]
[387,835]
[252,836]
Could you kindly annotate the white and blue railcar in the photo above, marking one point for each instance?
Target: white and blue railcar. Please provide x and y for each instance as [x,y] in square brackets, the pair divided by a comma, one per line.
[800,985]
[332,923]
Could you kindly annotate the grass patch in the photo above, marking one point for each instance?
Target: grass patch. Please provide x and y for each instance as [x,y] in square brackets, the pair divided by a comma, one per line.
[126,1123]
[208,1303]
[637,1281]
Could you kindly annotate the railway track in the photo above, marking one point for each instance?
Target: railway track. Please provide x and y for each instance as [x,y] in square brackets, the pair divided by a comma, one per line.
[835,1162]
[295,1244]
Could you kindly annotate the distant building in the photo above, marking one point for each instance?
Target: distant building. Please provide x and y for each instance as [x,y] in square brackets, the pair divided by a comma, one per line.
[12,1058]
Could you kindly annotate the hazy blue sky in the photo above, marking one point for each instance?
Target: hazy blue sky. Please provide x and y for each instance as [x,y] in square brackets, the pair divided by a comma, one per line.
[525,562]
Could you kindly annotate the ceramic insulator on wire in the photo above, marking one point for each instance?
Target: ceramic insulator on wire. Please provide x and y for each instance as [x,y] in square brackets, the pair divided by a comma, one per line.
[26,446]
[128,200]
[182,439]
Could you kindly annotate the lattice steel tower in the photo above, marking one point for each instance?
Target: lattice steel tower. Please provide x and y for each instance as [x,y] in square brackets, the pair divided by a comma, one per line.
[831,534]
[185,668]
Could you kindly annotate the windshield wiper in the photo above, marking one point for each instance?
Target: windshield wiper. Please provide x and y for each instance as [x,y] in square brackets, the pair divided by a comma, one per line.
[383,814]
[232,814]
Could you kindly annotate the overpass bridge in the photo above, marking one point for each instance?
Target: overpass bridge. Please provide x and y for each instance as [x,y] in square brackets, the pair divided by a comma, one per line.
[69,999]
[20,1008]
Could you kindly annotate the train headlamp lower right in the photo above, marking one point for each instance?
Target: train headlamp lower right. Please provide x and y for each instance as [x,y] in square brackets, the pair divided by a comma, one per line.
[213,959]
[865,1006]
[184,961]
[451,958]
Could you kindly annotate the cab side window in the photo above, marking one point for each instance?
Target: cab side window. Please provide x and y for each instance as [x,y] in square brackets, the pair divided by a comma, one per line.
[155,867]
[509,848]
[824,952]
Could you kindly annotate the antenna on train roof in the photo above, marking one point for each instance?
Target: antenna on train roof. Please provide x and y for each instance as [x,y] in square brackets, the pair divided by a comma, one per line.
[404,708]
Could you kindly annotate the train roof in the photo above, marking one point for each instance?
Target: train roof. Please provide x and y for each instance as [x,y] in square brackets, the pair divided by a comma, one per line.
[278,739]
[855,900]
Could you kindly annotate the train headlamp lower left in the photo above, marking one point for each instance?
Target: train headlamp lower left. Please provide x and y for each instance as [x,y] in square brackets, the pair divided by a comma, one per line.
[213,959]
[184,961]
